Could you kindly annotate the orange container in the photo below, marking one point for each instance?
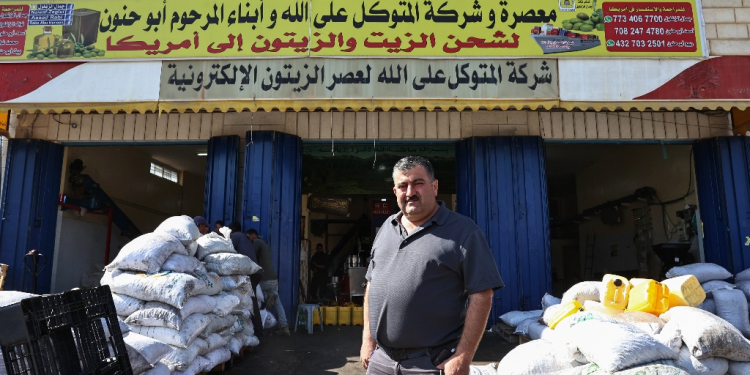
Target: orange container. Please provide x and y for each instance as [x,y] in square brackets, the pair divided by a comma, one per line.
[650,297]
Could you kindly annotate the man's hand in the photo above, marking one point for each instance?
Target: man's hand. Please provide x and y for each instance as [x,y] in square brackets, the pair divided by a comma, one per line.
[368,346]
[458,364]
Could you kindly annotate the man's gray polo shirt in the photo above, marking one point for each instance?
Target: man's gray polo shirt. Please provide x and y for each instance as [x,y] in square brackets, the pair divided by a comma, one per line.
[420,283]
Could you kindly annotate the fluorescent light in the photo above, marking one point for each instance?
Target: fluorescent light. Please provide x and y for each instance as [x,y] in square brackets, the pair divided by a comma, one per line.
[384,200]
[202,154]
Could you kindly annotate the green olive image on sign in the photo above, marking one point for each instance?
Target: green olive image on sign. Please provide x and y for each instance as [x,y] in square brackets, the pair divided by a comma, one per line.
[572,36]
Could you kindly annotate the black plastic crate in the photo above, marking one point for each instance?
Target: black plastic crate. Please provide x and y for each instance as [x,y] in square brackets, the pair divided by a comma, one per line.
[73,333]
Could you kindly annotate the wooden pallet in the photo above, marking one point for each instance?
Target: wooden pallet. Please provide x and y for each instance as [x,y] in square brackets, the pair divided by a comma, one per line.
[224,366]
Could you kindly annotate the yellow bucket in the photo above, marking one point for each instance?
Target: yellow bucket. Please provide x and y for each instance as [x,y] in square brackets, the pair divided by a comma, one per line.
[330,315]
[345,315]
[358,316]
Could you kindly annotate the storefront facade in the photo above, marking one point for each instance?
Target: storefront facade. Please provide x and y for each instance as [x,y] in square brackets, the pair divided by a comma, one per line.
[499,111]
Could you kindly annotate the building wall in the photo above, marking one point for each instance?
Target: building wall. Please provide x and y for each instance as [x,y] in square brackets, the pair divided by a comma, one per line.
[727,26]
[393,125]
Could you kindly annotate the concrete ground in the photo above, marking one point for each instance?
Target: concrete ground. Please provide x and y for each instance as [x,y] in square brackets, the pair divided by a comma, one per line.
[333,351]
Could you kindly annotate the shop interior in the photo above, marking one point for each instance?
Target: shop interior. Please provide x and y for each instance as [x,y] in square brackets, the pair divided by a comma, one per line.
[347,196]
[144,185]
[628,209]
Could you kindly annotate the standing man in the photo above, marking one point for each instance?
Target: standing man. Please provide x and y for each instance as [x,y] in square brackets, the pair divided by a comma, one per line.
[319,263]
[202,224]
[244,246]
[427,263]
[269,282]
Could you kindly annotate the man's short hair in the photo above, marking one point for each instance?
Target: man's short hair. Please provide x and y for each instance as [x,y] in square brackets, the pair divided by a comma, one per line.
[251,232]
[235,227]
[319,245]
[410,162]
[220,222]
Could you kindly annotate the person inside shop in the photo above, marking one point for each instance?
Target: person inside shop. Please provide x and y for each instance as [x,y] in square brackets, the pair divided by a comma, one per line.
[428,262]
[319,263]
[217,226]
[244,246]
[202,224]
[269,282]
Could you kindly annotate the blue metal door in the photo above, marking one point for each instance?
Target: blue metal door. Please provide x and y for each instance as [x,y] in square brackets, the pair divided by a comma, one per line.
[222,173]
[722,169]
[504,189]
[272,194]
[29,209]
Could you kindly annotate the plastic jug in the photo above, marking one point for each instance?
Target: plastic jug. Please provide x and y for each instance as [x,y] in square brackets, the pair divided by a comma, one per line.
[635,282]
[330,315]
[650,297]
[345,315]
[685,291]
[565,311]
[598,307]
[358,316]
[616,292]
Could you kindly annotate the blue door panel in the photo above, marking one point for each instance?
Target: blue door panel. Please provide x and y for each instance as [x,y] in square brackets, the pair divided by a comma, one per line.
[222,176]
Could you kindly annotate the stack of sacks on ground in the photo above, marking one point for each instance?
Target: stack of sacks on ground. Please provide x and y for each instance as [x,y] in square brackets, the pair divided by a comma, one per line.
[638,326]
[165,295]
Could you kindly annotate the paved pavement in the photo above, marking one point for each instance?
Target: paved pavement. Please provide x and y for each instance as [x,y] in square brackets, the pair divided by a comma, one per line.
[334,351]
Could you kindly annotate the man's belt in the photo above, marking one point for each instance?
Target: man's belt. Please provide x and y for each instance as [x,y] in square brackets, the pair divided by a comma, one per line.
[403,354]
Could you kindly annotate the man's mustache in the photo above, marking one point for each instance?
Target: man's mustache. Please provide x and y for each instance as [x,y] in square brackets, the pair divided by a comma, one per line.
[412,198]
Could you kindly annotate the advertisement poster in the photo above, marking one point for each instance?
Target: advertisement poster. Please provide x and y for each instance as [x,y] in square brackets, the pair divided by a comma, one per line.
[140,29]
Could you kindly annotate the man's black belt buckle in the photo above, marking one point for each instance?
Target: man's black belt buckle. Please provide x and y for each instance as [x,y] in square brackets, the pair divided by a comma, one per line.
[403,354]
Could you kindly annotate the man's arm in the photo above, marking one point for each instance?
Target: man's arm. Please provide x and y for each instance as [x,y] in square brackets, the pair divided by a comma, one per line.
[368,344]
[480,305]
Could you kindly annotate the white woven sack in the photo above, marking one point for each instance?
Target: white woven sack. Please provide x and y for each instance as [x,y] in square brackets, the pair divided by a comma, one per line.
[706,366]
[671,337]
[210,282]
[668,367]
[548,313]
[168,287]
[251,340]
[234,345]
[702,271]
[707,335]
[490,369]
[514,318]
[182,263]
[138,364]
[539,331]
[159,369]
[195,368]
[9,297]
[126,305]
[150,349]
[739,368]
[240,325]
[269,321]
[198,305]
[225,303]
[156,314]
[549,300]
[744,286]
[234,282]
[731,305]
[708,305]
[180,359]
[147,253]
[191,328]
[742,276]
[231,264]
[181,227]
[625,346]
[192,249]
[583,291]
[246,299]
[537,357]
[710,286]
[218,357]
[648,323]
[523,328]
[214,243]
[215,341]
[217,324]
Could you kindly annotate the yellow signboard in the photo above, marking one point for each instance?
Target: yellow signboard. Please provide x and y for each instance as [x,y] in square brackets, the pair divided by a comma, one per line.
[127,29]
